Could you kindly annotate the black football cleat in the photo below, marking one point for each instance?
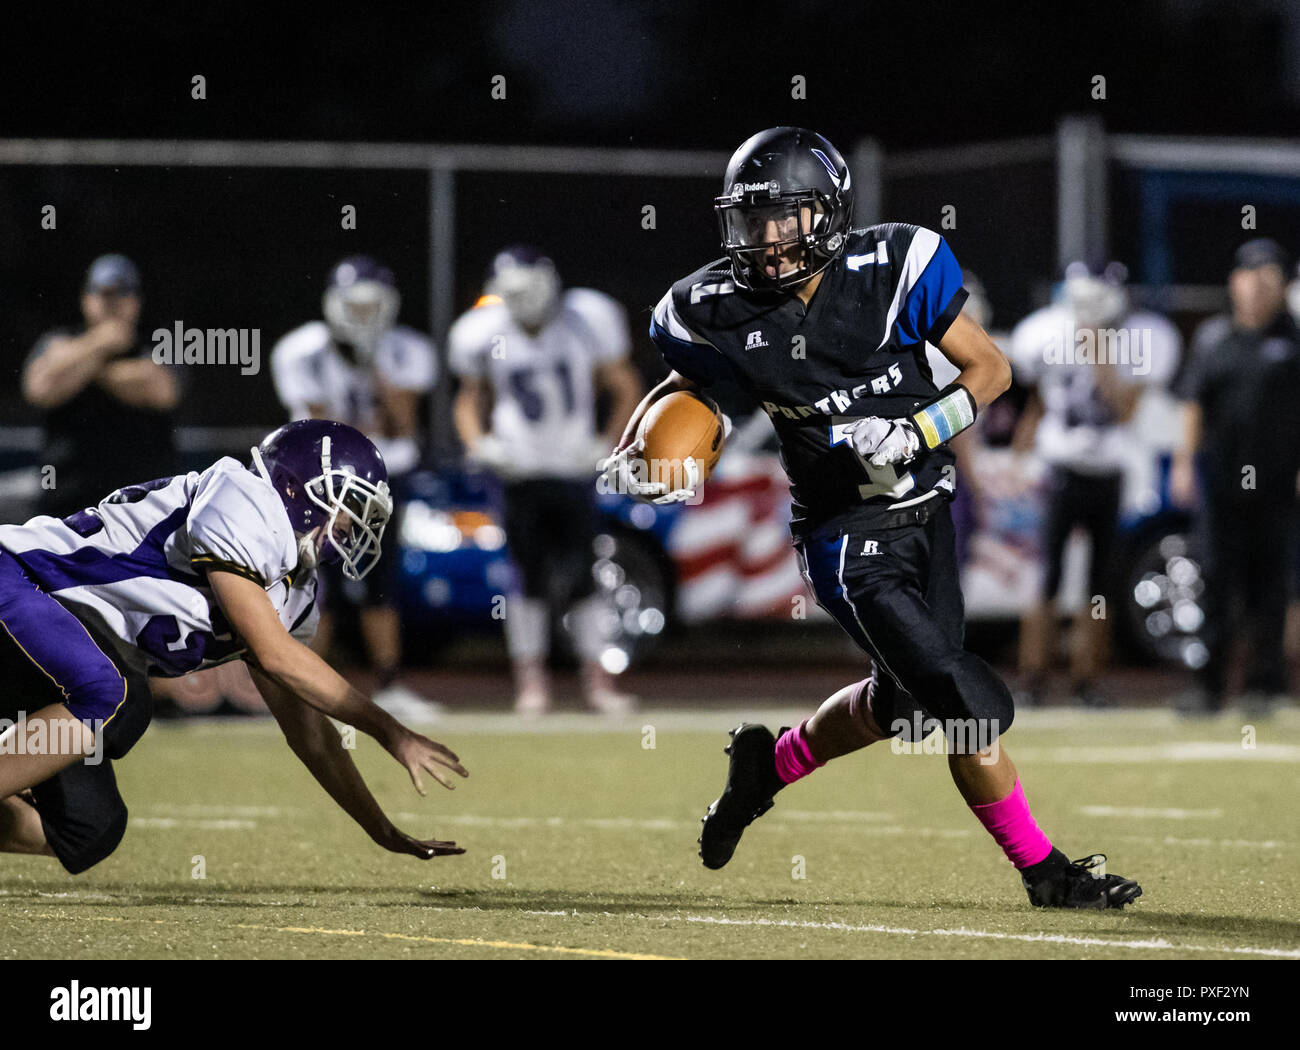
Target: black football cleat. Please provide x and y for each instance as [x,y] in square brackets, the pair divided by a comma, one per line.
[1058,883]
[751,784]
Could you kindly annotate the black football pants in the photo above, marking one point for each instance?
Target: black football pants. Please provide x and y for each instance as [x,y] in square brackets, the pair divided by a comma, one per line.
[896,591]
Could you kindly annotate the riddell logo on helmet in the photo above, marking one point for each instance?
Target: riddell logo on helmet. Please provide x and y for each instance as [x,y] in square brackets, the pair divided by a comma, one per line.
[741,188]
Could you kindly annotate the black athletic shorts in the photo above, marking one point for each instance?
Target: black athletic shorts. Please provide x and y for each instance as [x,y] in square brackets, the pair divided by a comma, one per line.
[550,526]
[1090,501]
[81,810]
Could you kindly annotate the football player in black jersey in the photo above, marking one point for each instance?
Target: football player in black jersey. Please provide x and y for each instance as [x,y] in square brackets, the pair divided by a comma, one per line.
[825,327]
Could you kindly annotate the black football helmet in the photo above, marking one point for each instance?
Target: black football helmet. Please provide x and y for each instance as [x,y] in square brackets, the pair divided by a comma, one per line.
[784,186]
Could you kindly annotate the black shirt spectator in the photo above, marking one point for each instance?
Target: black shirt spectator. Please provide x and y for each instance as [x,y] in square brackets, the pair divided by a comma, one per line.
[107,405]
[1240,394]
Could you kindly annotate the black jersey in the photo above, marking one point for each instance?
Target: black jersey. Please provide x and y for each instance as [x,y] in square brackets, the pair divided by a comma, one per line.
[856,350]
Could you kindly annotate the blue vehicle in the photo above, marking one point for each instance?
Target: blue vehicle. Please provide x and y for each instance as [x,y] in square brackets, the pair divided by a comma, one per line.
[456,570]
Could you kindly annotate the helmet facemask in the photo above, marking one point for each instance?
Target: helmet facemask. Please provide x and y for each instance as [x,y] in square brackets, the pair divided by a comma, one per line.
[359,314]
[358,513]
[756,232]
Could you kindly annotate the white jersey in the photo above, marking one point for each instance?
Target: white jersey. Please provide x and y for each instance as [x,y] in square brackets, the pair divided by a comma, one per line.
[544,397]
[1078,429]
[134,566]
[308,369]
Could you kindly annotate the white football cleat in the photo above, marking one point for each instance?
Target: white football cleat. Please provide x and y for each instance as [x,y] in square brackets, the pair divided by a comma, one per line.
[600,694]
[532,689]
[406,705]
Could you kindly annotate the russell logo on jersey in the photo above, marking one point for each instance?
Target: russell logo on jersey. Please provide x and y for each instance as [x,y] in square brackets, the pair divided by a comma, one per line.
[755,340]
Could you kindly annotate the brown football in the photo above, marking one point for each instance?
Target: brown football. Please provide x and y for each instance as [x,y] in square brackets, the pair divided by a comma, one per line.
[676,426]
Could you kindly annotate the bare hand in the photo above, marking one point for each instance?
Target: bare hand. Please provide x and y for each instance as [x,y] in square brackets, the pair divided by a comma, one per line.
[115,334]
[425,849]
[1182,482]
[419,755]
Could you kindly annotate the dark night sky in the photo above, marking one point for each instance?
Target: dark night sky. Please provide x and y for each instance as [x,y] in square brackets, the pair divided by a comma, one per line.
[249,248]
[672,73]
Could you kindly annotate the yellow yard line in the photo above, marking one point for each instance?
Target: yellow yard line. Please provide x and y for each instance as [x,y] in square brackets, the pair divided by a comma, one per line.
[467,942]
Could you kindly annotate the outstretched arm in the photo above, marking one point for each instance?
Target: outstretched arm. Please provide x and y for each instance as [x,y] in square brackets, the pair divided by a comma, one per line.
[306,677]
[313,738]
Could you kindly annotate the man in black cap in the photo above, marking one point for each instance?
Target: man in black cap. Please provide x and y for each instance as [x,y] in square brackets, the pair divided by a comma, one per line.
[107,404]
[1240,395]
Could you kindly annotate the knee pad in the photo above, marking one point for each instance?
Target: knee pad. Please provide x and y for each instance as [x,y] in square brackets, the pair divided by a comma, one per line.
[84,854]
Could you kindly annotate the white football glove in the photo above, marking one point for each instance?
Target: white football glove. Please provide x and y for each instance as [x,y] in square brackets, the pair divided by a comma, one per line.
[884,442]
[626,472]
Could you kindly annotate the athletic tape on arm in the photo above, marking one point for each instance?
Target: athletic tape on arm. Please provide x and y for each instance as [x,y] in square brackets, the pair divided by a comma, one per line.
[946,416]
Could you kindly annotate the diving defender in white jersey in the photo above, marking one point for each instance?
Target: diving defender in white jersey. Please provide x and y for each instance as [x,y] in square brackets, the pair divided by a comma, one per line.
[172,576]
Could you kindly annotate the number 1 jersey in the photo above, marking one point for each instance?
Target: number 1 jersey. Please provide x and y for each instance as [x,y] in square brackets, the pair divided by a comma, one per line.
[857,349]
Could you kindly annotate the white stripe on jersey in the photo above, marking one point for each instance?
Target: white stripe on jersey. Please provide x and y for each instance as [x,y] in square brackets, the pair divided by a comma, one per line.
[919,253]
[670,321]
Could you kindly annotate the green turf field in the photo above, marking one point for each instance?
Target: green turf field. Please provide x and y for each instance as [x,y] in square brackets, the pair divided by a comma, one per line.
[582,844]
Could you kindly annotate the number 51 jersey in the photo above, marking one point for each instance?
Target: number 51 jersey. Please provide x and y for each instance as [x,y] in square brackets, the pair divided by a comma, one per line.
[856,350]
[135,566]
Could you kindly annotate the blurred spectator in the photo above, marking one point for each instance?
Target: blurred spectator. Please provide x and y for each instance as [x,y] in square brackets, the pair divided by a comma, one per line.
[107,406]
[360,367]
[538,357]
[1242,450]
[1088,359]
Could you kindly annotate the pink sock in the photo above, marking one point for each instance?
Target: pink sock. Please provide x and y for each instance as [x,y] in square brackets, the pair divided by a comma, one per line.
[794,758]
[1014,828]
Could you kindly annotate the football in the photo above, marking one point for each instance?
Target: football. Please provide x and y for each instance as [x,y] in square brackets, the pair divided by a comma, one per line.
[679,425]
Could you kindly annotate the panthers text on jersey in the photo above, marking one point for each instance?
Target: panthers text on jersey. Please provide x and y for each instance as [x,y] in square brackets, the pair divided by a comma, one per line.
[544,400]
[308,369]
[856,350]
[135,565]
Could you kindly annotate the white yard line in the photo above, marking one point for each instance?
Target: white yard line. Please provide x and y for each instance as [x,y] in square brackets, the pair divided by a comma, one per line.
[1144,754]
[201,824]
[864,822]
[1140,811]
[1156,944]
[684,717]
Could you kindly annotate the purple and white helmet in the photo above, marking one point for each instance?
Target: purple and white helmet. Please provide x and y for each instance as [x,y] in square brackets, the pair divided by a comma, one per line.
[361,303]
[334,485]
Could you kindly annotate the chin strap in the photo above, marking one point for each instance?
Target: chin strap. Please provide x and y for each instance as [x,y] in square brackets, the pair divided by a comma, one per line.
[307,556]
[944,417]
[307,553]
[261,467]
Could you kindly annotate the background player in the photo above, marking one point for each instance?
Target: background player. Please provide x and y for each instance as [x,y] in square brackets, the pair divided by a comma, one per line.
[1079,420]
[360,367]
[170,577]
[532,366]
[863,435]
